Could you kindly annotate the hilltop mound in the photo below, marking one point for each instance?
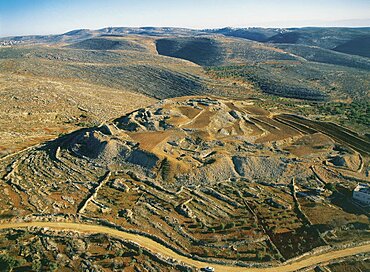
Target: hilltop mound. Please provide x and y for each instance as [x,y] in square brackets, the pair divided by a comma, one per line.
[199,168]
[197,136]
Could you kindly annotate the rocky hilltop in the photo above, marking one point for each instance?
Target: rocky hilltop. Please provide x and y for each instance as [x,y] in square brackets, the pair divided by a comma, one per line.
[202,140]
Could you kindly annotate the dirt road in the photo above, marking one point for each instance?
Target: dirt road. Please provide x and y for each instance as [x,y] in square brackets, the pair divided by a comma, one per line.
[156,247]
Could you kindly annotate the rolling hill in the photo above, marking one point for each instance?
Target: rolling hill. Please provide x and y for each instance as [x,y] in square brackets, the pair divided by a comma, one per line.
[108,44]
[295,71]
[358,46]
[328,38]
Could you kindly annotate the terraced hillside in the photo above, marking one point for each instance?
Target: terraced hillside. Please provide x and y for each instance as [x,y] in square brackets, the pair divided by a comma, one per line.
[217,179]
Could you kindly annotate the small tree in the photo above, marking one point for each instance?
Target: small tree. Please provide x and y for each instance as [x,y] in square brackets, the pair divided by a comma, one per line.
[165,169]
[267,258]
[230,225]
[330,186]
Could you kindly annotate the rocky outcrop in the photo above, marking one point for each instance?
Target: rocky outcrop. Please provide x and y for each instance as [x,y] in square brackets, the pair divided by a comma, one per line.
[263,168]
[142,158]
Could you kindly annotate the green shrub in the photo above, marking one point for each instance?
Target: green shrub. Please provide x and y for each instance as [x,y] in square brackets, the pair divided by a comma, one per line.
[165,169]
[330,186]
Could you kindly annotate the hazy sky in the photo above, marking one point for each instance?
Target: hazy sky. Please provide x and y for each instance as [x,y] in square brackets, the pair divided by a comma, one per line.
[20,17]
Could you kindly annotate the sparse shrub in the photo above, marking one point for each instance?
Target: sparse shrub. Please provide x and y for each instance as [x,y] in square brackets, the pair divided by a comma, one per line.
[267,258]
[7,263]
[212,230]
[53,266]
[259,255]
[230,225]
[36,265]
[140,251]
[200,225]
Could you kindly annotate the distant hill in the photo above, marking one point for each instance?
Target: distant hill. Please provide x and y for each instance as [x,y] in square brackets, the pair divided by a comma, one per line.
[289,70]
[359,46]
[321,55]
[218,50]
[305,63]
[328,38]
[83,34]
[108,44]
[353,41]
[203,51]
[254,33]
[140,72]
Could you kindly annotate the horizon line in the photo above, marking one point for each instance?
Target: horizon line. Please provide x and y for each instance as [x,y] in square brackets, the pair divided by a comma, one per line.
[190,28]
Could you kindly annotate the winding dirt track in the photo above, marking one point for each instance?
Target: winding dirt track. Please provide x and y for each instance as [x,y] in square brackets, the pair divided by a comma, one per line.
[158,248]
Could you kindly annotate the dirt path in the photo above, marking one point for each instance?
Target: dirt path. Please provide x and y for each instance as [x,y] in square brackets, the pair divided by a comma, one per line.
[156,247]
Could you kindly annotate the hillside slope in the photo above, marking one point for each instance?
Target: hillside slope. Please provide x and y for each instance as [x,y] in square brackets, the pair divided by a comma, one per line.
[328,38]
[108,44]
[295,71]
[140,72]
[359,46]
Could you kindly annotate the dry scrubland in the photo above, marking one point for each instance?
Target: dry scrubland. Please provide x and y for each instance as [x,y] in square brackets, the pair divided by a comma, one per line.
[202,159]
